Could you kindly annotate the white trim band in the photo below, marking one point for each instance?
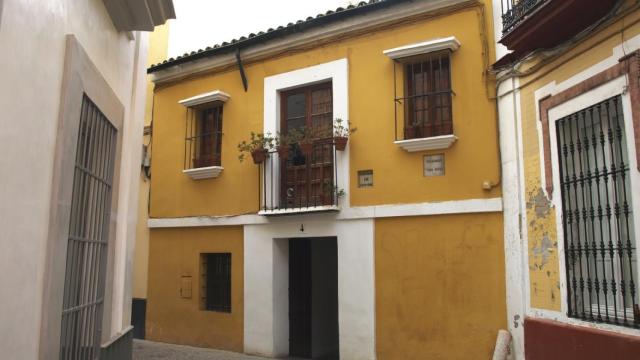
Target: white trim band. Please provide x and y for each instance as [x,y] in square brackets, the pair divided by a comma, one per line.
[352,213]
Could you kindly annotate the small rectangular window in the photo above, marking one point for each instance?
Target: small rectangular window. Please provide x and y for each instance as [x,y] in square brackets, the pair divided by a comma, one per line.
[204,137]
[216,282]
[427,105]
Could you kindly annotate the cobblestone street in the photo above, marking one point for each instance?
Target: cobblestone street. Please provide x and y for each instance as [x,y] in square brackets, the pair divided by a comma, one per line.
[149,350]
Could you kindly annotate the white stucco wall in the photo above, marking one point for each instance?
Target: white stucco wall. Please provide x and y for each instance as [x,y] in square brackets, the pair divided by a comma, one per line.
[266,302]
[32,38]
[501,50]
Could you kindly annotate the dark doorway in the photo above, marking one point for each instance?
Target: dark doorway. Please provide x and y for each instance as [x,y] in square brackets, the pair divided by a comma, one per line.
[313,298]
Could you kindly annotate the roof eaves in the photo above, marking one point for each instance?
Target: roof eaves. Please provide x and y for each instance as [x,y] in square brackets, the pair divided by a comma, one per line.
[271,33]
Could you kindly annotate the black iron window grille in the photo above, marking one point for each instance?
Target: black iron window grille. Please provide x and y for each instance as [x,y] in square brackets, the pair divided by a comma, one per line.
[426,104]
[598,227]
[84,283]
[203,140]
[516,11]
[216,282]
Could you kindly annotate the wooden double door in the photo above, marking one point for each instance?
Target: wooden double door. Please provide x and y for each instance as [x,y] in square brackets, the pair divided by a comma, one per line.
[308,179]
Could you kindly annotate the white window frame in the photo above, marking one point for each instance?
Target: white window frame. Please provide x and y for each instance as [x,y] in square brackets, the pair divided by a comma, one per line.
[199,173]
[612,88]
[450,43]
[338,73]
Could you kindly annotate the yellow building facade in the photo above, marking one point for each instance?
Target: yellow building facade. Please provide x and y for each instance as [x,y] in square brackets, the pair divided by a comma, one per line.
[391,248]
[568,120]
[157,51]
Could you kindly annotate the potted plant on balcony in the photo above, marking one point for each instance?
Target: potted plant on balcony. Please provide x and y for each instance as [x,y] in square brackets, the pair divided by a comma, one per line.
[257,146]
[329,192]
[283,142]
[305,141]
[341,133]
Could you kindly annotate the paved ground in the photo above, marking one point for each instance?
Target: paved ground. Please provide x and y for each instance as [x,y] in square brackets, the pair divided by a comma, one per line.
[148,350]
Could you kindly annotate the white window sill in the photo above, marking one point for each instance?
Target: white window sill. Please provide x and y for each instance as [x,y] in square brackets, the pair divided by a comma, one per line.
[302,210]
[204,172]
[425,144]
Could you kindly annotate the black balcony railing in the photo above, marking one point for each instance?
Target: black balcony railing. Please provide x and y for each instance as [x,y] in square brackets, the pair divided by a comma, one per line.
[301,182]
[516,11]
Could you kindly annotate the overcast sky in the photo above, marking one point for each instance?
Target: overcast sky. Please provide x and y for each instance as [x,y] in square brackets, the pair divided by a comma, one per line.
[202,23]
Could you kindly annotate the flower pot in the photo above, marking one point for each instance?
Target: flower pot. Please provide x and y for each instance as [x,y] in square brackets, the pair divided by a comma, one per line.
[259,156]
[341,142]
[283,151]
[306,148]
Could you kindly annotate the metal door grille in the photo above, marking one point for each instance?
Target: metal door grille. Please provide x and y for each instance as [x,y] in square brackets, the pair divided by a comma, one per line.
[88,235]
[600,246]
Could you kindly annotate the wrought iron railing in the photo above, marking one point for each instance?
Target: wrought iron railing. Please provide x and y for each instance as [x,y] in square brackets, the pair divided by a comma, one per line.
[425,115]
[516,11]
[599,234]
[301,182]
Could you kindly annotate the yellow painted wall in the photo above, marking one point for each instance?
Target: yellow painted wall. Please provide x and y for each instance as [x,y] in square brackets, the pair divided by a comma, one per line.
[440,290]
[398,175]
[158,46]
[542,227]
[176,253]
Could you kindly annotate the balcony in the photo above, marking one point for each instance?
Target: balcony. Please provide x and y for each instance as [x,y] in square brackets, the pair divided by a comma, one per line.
[301,183]
[541,24]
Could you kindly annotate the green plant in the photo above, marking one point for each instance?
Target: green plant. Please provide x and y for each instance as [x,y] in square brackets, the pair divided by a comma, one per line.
[307,136]
[290,138]
[341,128]
[332,189]
[258,141]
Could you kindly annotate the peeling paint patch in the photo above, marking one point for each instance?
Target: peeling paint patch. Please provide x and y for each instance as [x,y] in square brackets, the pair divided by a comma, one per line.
[542,249]
[539,203]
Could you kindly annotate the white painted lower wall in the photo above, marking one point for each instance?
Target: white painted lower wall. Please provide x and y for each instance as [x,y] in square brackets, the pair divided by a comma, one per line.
[266,300]
[512,185]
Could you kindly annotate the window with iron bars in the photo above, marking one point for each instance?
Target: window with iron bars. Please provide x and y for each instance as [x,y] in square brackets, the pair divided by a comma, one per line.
[203,142]
[216,282]
[427,100]
[598,225]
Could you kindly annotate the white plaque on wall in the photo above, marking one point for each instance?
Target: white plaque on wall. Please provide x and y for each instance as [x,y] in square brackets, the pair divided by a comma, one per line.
[434,165]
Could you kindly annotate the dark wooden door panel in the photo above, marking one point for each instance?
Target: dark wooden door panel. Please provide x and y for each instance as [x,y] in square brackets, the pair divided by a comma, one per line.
[300,297]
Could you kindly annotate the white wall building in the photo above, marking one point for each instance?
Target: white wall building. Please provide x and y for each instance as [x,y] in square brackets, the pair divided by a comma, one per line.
[72,100]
